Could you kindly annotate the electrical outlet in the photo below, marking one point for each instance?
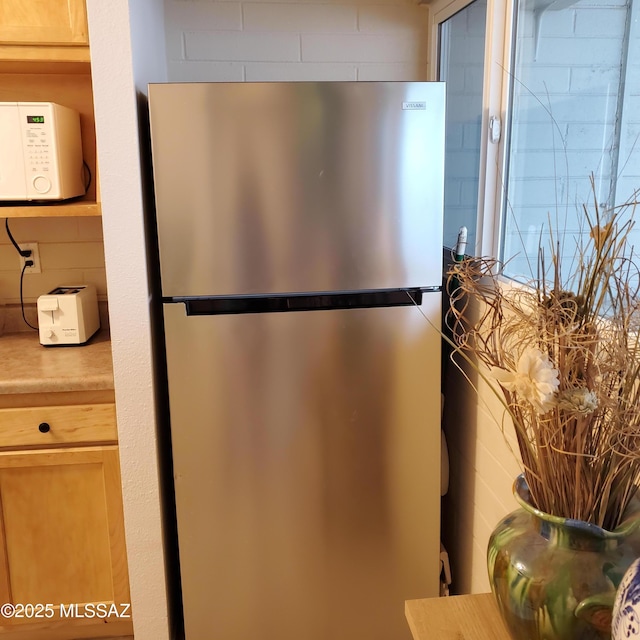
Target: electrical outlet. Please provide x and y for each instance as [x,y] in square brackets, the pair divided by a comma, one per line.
[35,256]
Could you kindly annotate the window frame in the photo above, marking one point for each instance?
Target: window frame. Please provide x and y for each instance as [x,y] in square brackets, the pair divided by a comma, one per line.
[496,91]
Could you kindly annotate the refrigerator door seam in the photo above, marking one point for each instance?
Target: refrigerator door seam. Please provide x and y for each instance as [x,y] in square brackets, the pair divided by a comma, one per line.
[221,305]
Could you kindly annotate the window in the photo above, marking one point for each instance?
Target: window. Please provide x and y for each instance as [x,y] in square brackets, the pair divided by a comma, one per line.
[461,66]
[574,110]
[562,77]
[467,50]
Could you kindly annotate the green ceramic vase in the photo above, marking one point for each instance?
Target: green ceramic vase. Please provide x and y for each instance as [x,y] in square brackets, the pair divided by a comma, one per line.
[556,578]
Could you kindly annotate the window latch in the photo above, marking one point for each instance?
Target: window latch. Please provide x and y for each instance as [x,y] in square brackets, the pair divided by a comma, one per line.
[495,129]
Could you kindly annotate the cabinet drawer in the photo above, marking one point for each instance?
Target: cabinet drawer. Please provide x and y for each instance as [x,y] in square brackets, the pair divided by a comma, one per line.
[55,426]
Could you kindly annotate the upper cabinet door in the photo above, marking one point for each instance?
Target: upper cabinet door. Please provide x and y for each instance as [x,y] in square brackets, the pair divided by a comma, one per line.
[61,22]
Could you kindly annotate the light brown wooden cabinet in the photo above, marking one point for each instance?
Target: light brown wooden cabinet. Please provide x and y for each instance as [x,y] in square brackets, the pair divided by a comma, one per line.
[62,536]
[61,520]
[71,90]
[44,57]
[37,22]
[61,523]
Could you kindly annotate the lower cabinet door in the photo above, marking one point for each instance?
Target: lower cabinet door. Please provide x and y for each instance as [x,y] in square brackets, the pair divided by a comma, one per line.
[62,545]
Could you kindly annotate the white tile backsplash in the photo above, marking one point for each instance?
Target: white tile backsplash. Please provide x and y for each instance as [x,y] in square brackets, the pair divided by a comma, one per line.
[67,246]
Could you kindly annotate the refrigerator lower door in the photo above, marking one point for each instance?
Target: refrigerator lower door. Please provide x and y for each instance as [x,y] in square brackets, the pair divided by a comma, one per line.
[306,448]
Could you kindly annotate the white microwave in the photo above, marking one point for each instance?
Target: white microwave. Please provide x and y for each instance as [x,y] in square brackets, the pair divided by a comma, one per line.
[41,152]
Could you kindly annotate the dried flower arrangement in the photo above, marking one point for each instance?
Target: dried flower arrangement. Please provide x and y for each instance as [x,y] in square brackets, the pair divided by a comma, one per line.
[562,353]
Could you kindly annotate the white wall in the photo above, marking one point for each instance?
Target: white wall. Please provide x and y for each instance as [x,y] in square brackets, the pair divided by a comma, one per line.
[127,51]
[292,40]
[483,466]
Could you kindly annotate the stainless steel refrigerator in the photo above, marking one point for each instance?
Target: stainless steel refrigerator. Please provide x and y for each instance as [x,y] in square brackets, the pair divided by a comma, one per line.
[300,245]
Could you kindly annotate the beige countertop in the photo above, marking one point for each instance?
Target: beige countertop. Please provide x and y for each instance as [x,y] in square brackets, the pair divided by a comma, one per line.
[471,617]
[28,367]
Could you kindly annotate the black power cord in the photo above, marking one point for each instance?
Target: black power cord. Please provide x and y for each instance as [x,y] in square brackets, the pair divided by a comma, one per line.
[25,253]
[26,264]
[89,176]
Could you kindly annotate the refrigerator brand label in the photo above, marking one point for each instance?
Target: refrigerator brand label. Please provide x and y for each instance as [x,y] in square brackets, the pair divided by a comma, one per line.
[412,106]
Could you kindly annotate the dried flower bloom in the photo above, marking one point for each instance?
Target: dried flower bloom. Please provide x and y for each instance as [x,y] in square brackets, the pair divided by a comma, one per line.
[580,400]
[535,379]
[566,305]
[599,234]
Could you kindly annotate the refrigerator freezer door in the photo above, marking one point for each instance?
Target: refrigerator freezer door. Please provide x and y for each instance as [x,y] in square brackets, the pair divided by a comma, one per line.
[284,187]
[307,470]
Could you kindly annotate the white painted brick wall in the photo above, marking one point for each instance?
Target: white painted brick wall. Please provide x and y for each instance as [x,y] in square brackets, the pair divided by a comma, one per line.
[359,48]
[190,16]
[380,18]
[301,18]
[204,71]
[600,23]
[483,467]
[242,46]
[220,41]
[299,72]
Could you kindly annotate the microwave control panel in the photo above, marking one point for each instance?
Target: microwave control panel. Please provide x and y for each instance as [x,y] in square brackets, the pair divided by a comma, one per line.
[38,158]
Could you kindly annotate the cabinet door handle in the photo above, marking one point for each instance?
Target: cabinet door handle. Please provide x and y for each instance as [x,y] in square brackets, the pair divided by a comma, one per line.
[44,427]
